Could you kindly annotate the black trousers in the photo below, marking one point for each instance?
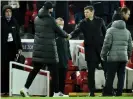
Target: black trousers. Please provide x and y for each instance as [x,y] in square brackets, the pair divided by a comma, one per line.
[53,68]
[62,78]
[112,69]
[104,63]
[11,54]
[91,75]
[5,77]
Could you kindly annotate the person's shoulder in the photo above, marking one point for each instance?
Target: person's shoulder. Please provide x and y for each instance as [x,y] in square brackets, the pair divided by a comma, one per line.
[98,18]
[82,21]
[127,31]
[14,20]
[52,18]
[110,30]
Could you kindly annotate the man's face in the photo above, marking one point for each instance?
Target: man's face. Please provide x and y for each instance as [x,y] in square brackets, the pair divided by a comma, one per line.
[60,23]
[51,10]
[8,13]
[88,13]
[126,15]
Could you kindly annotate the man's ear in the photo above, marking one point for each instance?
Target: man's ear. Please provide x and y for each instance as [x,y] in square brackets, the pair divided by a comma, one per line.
[123,13]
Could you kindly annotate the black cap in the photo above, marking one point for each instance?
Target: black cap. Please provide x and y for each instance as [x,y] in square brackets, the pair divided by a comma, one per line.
[48,5]
[6,7]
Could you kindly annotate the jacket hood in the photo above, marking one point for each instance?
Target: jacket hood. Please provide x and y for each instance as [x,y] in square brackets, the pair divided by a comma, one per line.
[116,16]
[4,9]
[120,24]
[43,12]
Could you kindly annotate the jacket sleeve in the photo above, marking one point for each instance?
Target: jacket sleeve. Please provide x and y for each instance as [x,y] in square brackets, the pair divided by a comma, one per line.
[19,44]
[106,45]
[103,28]
[58,30]
[129,46]
[77,30]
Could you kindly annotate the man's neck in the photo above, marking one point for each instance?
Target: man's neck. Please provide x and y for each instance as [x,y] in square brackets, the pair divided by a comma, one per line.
[91,18]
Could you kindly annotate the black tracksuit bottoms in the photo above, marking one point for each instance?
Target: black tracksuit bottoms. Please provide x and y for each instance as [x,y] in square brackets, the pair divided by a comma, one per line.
[54,85]
[112,69]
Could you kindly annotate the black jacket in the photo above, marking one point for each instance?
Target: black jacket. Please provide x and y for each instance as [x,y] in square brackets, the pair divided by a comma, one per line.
[94,32]
[62,49]
[6,28]
[45,49]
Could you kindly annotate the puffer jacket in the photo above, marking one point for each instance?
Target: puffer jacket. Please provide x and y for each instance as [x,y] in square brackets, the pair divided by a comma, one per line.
[46,30]
[117,43]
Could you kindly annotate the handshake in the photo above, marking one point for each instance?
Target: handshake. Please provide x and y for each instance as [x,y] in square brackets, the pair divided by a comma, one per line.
[69,36]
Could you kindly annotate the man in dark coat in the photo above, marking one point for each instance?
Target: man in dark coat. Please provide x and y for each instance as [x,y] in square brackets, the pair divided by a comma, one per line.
[93,29]
[10,44]
[45,49]
[62,49]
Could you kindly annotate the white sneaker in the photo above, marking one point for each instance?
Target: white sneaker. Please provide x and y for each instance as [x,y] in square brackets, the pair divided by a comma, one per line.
[60,94]
[63,94]
[24,92]
[57,95]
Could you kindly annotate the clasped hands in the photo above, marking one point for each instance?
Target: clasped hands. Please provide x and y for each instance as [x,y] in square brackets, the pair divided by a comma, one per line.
[69,36]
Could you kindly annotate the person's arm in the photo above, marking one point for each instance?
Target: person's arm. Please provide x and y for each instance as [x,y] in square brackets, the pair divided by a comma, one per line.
[76,31]
[129,46]
[103,28]
[106,46]
[18,37]
[58,30]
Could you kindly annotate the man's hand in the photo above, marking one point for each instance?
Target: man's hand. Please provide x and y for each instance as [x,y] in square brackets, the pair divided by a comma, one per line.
[102,59]
[20,51]
[69,36]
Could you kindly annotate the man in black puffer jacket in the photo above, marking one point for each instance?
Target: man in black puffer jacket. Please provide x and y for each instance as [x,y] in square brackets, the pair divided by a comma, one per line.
[45,49]
[116,50]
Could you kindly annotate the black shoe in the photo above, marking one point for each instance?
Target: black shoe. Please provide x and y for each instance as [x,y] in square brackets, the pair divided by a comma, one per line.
[118,94]
[104,95]
[92,95]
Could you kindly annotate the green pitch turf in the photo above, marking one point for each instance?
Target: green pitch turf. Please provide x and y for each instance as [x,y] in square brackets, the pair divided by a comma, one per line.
[68,98]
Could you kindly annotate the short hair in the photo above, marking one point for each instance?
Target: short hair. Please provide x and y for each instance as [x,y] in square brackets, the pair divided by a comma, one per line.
[61,19]
[125,9]
[91,8]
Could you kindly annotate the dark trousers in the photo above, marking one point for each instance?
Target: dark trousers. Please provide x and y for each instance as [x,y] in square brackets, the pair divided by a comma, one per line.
[62,78]
[104,64]
[5,77]
[112,69]
[11,54]
[53,72]
[91,75]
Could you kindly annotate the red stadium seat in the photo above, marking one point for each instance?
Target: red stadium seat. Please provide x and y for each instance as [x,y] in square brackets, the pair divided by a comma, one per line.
[71,75]
[68,88]
[130,62]
[85,88]
[28,61]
